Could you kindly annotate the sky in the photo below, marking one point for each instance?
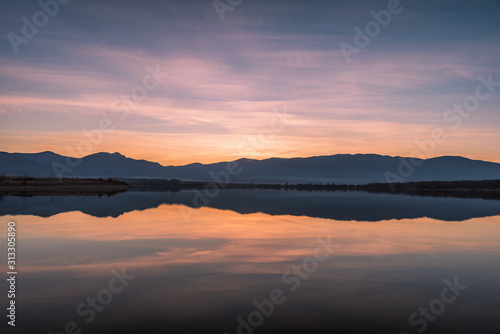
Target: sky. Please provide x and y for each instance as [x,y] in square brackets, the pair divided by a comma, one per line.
[178,82]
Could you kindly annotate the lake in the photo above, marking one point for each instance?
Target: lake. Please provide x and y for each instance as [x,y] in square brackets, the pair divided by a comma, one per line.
[255,261]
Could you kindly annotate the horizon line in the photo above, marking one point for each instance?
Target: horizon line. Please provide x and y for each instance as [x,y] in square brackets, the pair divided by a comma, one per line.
[256,159]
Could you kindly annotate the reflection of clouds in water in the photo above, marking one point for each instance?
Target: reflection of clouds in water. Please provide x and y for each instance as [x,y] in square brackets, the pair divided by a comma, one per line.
[212,269]
[250,243]
[59,253]
[215,295]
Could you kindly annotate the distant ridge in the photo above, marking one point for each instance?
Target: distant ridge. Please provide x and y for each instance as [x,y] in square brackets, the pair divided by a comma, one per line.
[340,168]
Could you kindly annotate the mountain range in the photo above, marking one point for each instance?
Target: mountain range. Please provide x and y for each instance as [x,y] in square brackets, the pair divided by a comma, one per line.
[340,168]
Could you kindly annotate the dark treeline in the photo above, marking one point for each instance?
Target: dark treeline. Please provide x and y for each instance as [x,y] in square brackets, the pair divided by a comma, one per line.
[467,189]
[488,189]
[30,186]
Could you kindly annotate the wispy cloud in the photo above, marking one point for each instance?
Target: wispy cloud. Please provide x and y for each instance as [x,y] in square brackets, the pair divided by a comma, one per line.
[224,78]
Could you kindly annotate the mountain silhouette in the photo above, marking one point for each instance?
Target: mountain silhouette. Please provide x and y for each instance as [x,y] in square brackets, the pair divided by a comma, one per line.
[340,168]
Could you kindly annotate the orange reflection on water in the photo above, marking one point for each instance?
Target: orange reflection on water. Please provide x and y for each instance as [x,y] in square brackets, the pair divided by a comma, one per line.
[243,241]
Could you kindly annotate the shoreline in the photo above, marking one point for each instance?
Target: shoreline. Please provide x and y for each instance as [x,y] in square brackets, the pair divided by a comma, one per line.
[485,189]
[30,186]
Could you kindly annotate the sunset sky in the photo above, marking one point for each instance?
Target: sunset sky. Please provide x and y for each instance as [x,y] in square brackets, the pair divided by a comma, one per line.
[263,79]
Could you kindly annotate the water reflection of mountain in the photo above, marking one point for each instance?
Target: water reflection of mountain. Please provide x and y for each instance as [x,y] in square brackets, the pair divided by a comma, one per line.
[350,205]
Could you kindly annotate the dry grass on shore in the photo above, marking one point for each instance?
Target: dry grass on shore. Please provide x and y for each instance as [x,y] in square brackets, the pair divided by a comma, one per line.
[35,186]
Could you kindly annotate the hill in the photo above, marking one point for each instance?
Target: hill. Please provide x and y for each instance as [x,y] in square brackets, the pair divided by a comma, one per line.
[340,168]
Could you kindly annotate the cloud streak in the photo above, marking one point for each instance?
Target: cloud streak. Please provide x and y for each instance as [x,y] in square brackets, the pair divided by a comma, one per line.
[225,78]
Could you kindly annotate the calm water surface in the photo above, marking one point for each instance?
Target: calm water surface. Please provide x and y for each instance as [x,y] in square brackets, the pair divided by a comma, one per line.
[215,269]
